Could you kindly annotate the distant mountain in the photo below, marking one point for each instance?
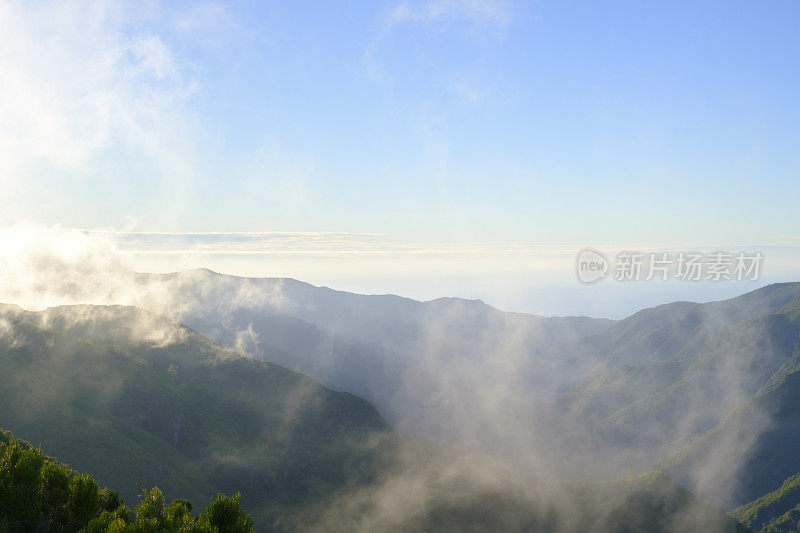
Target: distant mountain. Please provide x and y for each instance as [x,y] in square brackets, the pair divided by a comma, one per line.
[462,372]
[382,320]
[660,333]
[425,365]
[336,361]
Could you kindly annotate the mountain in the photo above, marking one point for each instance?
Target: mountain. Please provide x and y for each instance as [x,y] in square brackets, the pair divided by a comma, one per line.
[380,320]
[336,361]
[603,396]
[753,449]
[702,391]
[659,333]
[139,400]
[696,363]
[424,365]
[766,431]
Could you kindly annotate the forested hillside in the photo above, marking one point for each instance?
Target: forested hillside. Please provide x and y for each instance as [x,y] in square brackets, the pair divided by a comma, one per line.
[140,401]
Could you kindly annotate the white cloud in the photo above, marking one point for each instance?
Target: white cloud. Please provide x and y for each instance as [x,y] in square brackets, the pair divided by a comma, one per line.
[210,24]
[78,80]
[494,13]
[466,91]
[482,17]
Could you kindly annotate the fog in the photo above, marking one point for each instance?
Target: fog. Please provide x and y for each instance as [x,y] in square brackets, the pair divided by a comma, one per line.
[523,401]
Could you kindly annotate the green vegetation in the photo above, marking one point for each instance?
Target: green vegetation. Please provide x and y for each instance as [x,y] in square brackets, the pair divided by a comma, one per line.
[777,511]
[768,423]
[712,397]
[141,401]
[38,493]
[679,355]
[649,502]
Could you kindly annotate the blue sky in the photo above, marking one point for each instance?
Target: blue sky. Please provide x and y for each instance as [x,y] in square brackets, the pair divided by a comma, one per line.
[437,124]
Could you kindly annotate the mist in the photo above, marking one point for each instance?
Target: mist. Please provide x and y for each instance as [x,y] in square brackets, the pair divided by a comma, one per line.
[524,402]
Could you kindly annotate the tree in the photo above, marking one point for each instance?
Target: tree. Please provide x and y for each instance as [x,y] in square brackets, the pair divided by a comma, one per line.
[55,488]
[225,515]
[20,485]
[84,500]
[38,493]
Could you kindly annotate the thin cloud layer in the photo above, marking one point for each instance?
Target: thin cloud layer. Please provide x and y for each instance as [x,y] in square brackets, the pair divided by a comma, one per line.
[493,13]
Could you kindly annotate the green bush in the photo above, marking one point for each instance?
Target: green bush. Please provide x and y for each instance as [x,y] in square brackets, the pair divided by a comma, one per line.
[38,493]
[225,515]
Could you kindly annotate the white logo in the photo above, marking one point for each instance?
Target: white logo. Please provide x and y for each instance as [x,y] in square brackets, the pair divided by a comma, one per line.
[591,266]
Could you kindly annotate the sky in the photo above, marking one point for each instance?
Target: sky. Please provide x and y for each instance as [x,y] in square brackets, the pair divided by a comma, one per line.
[428,148]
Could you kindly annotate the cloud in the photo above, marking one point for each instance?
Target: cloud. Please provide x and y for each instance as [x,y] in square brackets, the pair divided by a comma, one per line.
[210,24]
[206,17]
[302,243]
[79,82]
[482,17]
[489,13]
[43,267]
